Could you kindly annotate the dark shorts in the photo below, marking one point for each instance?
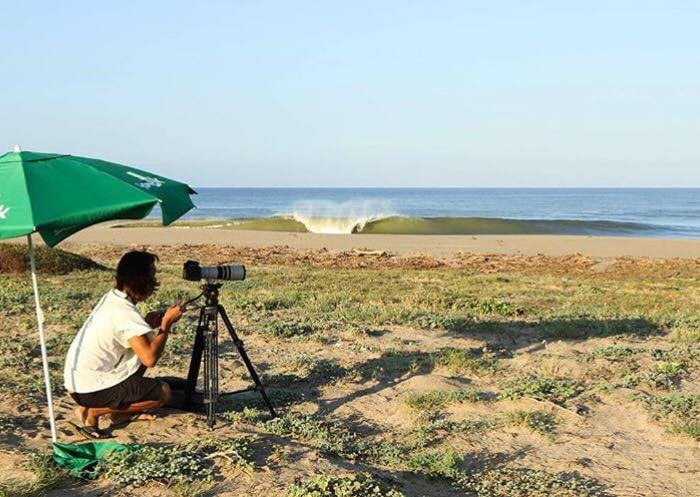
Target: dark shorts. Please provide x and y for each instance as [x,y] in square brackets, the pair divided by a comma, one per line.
[135,388]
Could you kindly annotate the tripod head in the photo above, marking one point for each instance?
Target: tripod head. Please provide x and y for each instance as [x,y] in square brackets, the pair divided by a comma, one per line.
[210,290]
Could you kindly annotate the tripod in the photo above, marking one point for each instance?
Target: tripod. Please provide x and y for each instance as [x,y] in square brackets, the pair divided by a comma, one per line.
[206,348]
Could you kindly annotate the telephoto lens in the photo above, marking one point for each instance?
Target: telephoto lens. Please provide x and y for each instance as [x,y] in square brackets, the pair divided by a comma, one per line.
[233,272]
[192,271]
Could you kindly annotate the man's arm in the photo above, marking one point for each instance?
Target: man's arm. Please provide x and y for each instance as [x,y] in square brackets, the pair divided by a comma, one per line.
[149,351]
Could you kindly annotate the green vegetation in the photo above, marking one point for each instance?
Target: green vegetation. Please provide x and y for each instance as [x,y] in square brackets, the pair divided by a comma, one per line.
[176,464]
[436,428]
[557,390]
[474,360]
[436,400]
[510,482]
[347,486]
[47,475]
[331,437]
[290,329]
[665,375]
[537,421]
[680,412]
[613,353]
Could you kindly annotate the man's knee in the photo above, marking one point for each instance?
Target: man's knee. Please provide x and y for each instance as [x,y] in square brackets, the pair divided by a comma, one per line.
[166,392]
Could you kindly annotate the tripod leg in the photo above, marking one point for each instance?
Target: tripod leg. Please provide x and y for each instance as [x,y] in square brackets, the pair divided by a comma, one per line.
[239,345]
[196,360]
[211,363]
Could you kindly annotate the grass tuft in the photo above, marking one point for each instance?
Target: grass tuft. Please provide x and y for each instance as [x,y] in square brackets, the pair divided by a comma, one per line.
[436,400]
[47,475]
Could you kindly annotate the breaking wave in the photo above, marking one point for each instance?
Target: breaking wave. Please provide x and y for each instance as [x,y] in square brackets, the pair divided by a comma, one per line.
[402,225]
[339,218]
[360,216]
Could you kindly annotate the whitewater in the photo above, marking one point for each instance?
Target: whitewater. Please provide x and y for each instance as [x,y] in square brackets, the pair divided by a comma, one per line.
[323,216]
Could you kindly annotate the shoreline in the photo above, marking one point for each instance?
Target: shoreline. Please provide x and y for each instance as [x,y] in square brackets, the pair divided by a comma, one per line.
[603,247]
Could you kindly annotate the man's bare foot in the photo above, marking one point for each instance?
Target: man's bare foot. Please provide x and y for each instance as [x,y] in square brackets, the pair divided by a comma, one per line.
[88,424]
[123,419]
[81,414]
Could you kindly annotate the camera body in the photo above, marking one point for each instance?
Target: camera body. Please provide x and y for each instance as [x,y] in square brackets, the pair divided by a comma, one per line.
[193,271]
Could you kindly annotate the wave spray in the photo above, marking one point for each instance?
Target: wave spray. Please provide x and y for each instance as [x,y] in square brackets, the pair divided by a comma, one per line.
[322,216]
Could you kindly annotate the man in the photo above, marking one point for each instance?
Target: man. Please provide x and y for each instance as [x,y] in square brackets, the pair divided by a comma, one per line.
[109,355]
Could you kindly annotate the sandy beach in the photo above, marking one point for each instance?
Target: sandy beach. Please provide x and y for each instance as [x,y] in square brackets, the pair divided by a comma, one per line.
[439,365]
[436,245]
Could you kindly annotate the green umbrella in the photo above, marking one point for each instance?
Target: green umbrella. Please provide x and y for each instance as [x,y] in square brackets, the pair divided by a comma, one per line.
[57,195]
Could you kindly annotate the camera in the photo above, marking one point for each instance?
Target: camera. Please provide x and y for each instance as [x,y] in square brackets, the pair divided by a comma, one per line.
[192,271]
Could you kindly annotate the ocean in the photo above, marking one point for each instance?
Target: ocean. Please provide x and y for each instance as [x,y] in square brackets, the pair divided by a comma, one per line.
[621,212]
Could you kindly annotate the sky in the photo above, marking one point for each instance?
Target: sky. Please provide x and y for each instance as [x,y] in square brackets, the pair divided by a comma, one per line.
[361,93]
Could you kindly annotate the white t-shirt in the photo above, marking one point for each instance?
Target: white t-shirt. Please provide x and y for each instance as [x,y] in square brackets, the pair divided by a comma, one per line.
[100,356]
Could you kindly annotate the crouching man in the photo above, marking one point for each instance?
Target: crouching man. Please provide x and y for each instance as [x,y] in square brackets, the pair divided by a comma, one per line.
[109,355]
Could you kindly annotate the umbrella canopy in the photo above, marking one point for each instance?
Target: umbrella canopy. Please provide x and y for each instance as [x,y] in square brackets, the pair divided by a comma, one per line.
[58,195]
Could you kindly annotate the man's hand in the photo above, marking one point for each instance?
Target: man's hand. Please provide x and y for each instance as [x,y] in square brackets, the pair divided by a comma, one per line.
[171,316]
[150,350]
[154,318]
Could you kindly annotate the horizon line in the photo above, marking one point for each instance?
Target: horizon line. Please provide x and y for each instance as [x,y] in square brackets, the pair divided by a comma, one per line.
[459,187]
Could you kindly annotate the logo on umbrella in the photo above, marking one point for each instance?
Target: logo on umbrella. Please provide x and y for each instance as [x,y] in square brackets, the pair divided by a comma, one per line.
[3,211]
[147,182]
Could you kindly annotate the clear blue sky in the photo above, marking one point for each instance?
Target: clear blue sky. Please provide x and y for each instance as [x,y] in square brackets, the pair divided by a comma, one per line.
[361,93]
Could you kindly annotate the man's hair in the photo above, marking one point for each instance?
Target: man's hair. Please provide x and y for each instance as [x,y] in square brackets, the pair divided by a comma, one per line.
[134,273]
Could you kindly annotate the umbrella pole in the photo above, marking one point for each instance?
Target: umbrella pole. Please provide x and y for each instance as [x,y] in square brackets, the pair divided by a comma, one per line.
[40,320]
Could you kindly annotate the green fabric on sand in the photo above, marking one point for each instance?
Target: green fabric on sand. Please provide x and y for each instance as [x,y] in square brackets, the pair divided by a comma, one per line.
[79,459]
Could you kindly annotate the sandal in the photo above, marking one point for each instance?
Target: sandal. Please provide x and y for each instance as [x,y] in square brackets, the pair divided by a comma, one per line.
[91,432]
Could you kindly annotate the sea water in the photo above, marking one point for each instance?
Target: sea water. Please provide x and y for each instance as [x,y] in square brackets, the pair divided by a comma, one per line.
[626,212]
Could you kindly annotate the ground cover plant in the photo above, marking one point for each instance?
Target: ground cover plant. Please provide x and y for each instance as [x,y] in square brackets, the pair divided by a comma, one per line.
[348,486]
[680,412]
[487,376]
[185,462]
